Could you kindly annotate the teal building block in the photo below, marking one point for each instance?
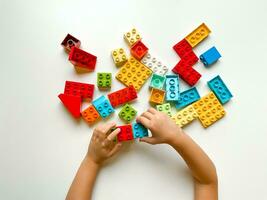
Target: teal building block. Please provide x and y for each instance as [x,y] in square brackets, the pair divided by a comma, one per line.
[139,130]
[103,106]
[157,81]
[172,88]
[187,97]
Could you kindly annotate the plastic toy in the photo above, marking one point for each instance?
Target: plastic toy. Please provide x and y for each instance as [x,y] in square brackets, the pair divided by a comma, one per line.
[210,56]
[83,90]
[209,109]
[132,37]
[126,133]
[139,50]
[139,130]
[199,34]
[119,57]
[103,106]
[185,116]
[127,113]
[182,48]
[133,73]
[104,81]
[165,108]
[157,81]
[172,88]
[188,74]
[70,41]
[187,97]
[156,66]
[220,89]
[72,103]
[90,115]
[157,96]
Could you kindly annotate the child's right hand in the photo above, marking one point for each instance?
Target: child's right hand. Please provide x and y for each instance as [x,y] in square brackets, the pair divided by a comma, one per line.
[162,127]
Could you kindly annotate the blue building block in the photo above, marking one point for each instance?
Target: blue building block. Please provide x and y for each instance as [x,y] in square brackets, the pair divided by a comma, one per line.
[139,130]
[103,106]
[157,81]
[210,56]
[219,89]
[172,87]
[187,97]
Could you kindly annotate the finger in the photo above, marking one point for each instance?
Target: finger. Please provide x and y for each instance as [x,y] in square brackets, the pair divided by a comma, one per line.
[152,110]
[147,115]
[144,121]
[115,149]
[113,134]
[149,140]
[106,127]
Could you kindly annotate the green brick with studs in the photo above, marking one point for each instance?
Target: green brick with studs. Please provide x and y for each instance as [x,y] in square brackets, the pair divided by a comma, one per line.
[166,108]
[127,113]
[104,81]
[157,81]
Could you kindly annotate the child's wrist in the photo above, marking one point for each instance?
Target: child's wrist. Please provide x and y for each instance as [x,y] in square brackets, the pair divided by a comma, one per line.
[91,162]
[176,140]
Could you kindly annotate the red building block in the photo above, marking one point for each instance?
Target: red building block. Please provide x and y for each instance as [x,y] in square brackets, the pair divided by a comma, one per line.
[82,59]
[122,96]
[72,103]
[182,48]
[126,133]
[139,50]
[69,42]
[188,60]
[188,74]
[83,90]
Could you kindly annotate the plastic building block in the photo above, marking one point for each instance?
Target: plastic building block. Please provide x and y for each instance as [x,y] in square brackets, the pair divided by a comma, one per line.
[133,73]
[172,88]
[122,96]
[165,108]
[210,56]
[157,81]
[187,97]
[119,57]
[139,130]
[104,81]
[139,50]
[185,116]
[126,133]
[90,115]
[209,109]
[127,113]
[182,48]
[72,103]
[103,106]
[156,66]
[132,37]
[157,96]
[82,59]
[220,89]
[83,90]
[70,41]
[199,34]
[188,74]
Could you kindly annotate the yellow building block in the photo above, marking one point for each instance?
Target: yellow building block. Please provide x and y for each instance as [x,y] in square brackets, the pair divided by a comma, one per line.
[197,35]
[157,96]
[133,73]
[209,109]
[119,57]
[132,37]
[185,116]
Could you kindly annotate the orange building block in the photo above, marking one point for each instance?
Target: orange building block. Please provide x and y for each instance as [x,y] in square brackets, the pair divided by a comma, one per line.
[90,115]
[157,96]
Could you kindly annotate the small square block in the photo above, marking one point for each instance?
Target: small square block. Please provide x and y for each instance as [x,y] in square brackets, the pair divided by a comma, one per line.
[154,64]
[132,37]
[119,57]
[165,108]
[185,116]
[210,56]
[187,97]
[104,81]
[172,88]
[126,133]
[139,50]
[139,130]
[157,81]
[127,113]
[83,90]
[157,96]
[70,41]
[103,106]
[90,115]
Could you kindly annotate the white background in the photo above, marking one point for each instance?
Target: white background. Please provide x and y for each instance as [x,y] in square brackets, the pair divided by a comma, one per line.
[41,146]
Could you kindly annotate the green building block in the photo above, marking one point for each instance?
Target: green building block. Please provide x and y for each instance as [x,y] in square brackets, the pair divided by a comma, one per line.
[157,81]
[104,80]
[127,113]
[166,108]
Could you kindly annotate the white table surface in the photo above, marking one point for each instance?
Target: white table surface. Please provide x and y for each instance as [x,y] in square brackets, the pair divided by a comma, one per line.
[41,146]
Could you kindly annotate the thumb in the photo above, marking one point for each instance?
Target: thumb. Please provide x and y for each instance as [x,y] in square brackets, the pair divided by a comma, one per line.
[149,140]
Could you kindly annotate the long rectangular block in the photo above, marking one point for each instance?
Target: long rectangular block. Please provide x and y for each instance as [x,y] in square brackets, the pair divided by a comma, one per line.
[198,35]
[187,97]
[154,64]
[185,116]
[103,106]
[83,90]
[172,88]
[210,56]
[188,74]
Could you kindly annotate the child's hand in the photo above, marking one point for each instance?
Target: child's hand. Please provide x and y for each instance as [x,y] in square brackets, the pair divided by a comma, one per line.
[102,145]
[162,127]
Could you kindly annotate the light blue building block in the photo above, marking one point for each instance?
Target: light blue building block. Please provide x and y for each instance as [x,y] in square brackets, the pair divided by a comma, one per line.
[172,87]
[187,97]
[210,56]
[139,130]
[157,81]
[220,89]
[103,106]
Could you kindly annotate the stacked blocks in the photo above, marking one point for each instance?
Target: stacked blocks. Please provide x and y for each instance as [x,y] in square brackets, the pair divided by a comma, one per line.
[72,103]
[90,115]
[132,37]
[83,90]
[157,81]
[70,41]
[187,97]
[165,108]
[119,57]
[182,48]
[127,113]
[157,96]
[199,34]
[122,96]
[209,109]
[220,89]
[104,81]
[156,66]
[133,73]
[103,106]
[172,88]
[139,50]
[185,116]
[126,133]
[210,56]
[139,130]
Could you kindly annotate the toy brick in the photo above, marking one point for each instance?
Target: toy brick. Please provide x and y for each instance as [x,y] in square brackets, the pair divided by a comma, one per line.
[132,37]
[104,81]
[82,59]
[185,116]
[209,109]
[157,81]
[210,56]
[127,113]
[198,35]
[83,90]
[220,89]
[119,57]
[103,106]
[139,50]
[157,96]
[126,133]
[72,103]
[188,60]
[187,97]
[165,108]
[122,96]
[70,41]
[188,74]
[90,115]
[172,88]
[182,48]
[152,63]
[139,130]
[133,73]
